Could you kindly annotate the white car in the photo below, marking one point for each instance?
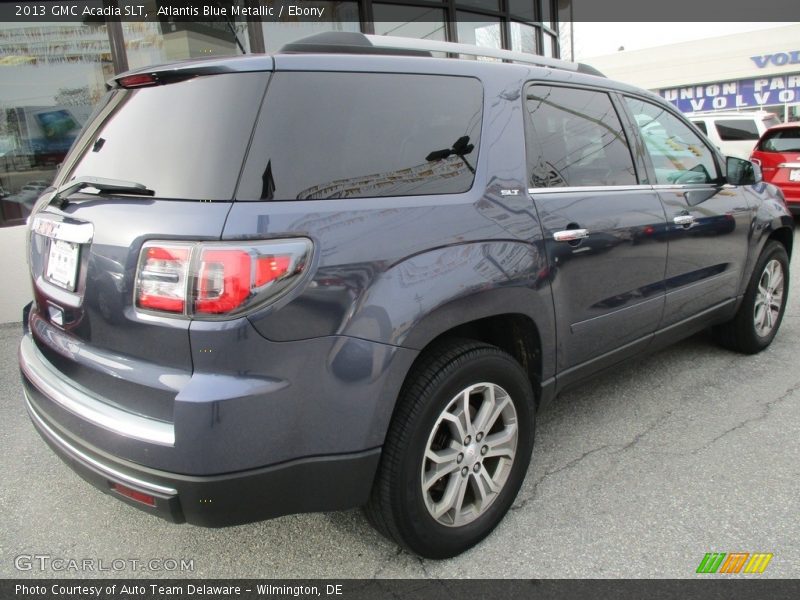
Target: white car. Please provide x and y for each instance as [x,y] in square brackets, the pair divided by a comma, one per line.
[734,133]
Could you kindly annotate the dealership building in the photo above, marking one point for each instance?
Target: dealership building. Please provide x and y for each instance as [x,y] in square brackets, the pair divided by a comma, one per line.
[52,74]
[759,70]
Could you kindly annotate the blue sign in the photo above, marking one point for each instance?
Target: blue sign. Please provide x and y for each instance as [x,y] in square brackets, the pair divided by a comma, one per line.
[779,59]
[730,95]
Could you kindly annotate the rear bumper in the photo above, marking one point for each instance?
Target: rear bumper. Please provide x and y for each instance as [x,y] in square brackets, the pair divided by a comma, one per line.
[306,485]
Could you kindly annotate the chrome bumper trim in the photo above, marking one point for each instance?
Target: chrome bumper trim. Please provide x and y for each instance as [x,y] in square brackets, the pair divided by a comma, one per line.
[88,461]
[35,367]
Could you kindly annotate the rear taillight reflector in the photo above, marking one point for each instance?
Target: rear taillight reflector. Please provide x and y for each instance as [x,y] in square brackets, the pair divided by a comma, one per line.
[217,279]
[270,268]
[224,280]
[161,278]
[134,494]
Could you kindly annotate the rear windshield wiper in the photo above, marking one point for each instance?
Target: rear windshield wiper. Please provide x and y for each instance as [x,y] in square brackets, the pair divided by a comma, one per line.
[99,183]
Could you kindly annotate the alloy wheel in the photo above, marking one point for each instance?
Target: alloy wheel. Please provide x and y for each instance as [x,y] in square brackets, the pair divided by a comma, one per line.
[769,298]
[469,454]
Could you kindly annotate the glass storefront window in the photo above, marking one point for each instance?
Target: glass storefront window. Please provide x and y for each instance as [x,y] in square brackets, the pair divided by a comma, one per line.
[337,16]
[479,4]
[485,34]
[51,76]
[409,21]
[523,37]
[150,43]
[547,14]
[549,48]
[522,9]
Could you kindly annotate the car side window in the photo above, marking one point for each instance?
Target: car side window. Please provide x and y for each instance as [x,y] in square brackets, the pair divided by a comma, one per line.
[574,137]
[701,126]
[678,154]
[732,130]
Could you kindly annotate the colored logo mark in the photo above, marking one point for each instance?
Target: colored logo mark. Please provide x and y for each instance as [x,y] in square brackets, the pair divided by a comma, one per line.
[734,562]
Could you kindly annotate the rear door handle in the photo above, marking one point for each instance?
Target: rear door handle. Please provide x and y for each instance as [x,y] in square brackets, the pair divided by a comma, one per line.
[683,220]
[570,235]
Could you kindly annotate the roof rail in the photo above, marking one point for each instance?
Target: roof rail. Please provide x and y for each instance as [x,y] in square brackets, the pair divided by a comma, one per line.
[359,43]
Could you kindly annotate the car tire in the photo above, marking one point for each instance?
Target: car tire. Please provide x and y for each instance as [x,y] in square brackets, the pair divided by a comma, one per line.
[435,493]
[760,314]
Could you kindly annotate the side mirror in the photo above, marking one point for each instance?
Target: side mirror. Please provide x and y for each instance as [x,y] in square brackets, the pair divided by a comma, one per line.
[742,172]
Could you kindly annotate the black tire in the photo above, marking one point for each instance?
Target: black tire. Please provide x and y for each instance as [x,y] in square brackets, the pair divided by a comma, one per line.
[397,506]
[742,333]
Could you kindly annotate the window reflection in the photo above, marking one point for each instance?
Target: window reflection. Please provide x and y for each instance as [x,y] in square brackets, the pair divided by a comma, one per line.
[679,156]
[574,138]
[409,21]
[51,76]
[485,34]
[336,16]
[151,43]
[324,143]
[523,38]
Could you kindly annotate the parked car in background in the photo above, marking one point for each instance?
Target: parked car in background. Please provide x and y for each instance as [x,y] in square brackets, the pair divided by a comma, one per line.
[778,153]
[734,133]
[352,274]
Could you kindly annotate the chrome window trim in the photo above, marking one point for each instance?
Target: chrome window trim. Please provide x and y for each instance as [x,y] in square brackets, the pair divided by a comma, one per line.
[90,462]
[590,188]
[93,410]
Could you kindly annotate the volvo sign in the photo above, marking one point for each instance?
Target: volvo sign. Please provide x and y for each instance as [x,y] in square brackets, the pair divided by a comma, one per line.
[743,93]
[779,59]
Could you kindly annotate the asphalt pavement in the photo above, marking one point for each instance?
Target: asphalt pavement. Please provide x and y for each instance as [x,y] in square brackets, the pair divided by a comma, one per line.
[638,473]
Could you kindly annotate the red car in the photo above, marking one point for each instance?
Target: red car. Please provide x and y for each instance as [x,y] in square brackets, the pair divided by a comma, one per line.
[778,153]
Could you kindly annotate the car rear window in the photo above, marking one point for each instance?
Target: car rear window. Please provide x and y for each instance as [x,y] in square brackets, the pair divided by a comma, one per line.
[357,135]
[781,140]
[732,130]
[184,140]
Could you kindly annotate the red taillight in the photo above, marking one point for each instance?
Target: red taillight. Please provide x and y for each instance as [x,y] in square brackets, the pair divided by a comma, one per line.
[134,494]
[161,280]
[223,281]
[270,268]
[216,279]
[226,278]
[133,81]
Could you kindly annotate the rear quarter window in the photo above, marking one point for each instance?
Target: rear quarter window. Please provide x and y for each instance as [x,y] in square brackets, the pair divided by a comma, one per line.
[733,130]
[356,135]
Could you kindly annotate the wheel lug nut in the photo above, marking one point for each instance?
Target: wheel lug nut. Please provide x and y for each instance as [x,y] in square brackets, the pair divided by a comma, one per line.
[460,458]
[464,472]
[479,437]
[484,450]
[467,440]
[477,467]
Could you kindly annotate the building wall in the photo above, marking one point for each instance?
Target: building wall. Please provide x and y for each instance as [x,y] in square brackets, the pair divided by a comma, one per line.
[756,70]
[16,280]
[702,61]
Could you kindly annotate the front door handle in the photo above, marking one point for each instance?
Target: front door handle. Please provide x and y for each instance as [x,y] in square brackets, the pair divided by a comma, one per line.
[570,235]
[684,220]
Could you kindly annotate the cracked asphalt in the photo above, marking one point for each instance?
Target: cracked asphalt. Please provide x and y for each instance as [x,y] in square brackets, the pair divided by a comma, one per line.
[638,473]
